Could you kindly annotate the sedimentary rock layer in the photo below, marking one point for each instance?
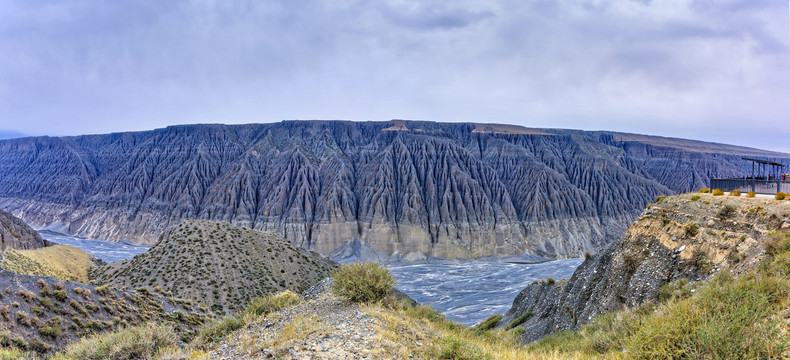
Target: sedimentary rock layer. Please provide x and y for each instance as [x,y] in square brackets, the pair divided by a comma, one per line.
[446,190]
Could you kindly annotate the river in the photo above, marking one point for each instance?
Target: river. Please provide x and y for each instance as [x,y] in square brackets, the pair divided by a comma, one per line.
[465,293]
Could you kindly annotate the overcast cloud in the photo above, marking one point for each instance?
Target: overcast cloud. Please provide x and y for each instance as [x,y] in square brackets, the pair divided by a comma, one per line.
[702,69]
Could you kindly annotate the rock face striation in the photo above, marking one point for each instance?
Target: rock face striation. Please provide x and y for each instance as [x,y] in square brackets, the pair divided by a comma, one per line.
[441,189]
[218,265]
[679,238]
[15,234]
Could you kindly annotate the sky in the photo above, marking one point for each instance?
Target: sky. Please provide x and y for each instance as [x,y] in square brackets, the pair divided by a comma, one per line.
[700,69]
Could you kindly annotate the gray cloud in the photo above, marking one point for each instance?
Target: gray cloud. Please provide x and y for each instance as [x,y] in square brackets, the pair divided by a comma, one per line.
[712,70]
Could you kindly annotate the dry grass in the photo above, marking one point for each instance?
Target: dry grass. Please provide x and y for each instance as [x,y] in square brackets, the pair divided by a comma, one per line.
[417,332]
[62,262]
[299,329]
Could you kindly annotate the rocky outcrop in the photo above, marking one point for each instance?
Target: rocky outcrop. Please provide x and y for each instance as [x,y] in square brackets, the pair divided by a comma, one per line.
[444,190]
[15,234]
[677,238]
[220,266]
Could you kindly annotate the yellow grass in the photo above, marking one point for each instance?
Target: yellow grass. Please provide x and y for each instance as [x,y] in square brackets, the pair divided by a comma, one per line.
[62,262]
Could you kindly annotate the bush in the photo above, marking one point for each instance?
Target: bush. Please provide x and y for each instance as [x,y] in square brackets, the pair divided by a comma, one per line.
[704,190]
[727,211]
[780,196]
[519,320]
[718,192]
[216,330]
[60,295]
[694,197]
[691,228]
[140,342]
[660,199]
[751,194]
[362,282]
[735,193]
[489,323]
[272,303]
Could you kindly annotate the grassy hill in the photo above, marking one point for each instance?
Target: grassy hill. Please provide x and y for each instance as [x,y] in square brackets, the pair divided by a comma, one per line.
[218,265]
[61,262]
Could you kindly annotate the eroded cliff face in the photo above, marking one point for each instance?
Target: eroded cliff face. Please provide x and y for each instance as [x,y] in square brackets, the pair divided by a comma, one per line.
[15,234]
[446,190]
[660,247]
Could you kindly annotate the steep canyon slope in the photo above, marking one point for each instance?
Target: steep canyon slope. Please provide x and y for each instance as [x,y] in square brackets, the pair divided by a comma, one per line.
[15,234]
[682,237]
[446,190]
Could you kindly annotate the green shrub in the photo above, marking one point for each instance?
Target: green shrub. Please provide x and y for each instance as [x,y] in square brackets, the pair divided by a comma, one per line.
[691,228]
[489,323]
[60,295]
[694,197]
[272,303]
[20,343]
[660,199]
[10,354]
[362,282]
[704,190]
[718,192]
[519,320]
[735,193]
[780,196]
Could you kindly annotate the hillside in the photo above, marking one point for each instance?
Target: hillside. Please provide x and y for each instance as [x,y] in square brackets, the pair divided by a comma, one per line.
[61,262]
[686,237]
[220,266]
[41,314]
[15,234]
[442,189]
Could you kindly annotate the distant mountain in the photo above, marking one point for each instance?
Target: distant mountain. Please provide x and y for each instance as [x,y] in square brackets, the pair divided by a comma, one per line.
[10,135]
[446,190]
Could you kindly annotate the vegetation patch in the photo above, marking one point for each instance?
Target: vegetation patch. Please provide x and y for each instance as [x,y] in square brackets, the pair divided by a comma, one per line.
[489,323]
[362,282]
[519,320]
[717,192]
[691,229]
